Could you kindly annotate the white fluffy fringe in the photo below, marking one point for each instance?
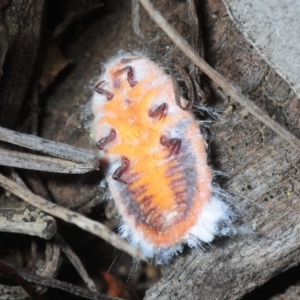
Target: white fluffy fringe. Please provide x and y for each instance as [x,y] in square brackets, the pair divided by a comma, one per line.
[216,219]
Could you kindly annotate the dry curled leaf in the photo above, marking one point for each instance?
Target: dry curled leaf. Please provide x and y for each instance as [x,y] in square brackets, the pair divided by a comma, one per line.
[54,63]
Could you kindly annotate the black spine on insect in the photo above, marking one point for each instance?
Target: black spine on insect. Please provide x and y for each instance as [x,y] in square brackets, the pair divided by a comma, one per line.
[121,170]
[106,140]
[130,75]
[172,144]
[102,91]
[159,111]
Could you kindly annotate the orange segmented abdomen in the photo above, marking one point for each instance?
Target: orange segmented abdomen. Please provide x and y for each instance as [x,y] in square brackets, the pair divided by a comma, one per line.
[164,202]
[157,168]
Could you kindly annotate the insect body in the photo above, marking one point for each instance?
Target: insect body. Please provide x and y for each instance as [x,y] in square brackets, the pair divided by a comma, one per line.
[155,159]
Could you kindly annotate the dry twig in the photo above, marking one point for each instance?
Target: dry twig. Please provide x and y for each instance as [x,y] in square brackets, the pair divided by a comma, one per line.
[74,259]
[49,270]
[29,161]
[56,149]
[10,272]
[28,220]
[71,160]
[27,276]
[70,216]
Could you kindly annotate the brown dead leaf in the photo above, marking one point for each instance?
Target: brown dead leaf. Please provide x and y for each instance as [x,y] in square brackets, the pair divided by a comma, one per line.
[117,288]
[54,63]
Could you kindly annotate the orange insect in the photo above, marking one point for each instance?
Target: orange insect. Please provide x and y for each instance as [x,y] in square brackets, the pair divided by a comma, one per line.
[155,160]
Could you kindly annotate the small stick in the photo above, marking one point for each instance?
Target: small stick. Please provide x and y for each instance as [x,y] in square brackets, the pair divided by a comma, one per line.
[29,161]
[49,270]
[10,272]
[216,77]
[57,284]
[135,17]
[70,217]
[74,259]
[56,149]
[28,220]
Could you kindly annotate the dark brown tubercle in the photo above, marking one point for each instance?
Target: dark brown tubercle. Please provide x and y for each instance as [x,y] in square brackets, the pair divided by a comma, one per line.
[106,140]
[121,170]
[173,144]
[128,60]
[159,111]
[130,75]
[147,200]
[101,91]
